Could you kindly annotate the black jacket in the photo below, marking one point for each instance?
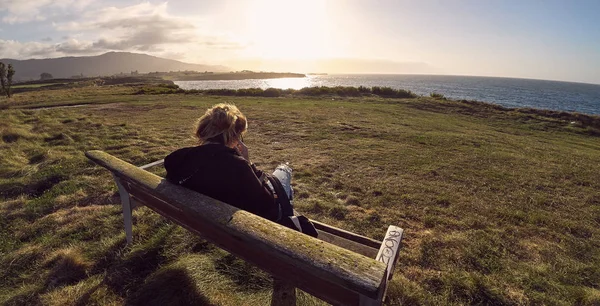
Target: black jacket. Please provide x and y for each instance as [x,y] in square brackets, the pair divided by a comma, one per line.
[221,173]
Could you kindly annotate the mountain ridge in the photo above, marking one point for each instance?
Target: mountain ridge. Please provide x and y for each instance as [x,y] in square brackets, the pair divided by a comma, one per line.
[106,64]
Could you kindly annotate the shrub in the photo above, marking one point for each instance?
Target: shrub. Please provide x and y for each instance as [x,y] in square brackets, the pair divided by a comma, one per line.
[311,91]
[159,89]
[221,92]
[392,93]
[363,89]
[272,92]
[252,92]
[342,91]
[347,91]
[401,93]
[436,95]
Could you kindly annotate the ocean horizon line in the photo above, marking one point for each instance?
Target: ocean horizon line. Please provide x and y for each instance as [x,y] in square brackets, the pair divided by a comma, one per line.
[448,75]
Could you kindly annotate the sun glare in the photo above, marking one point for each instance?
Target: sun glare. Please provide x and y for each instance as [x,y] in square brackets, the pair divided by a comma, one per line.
[289,29]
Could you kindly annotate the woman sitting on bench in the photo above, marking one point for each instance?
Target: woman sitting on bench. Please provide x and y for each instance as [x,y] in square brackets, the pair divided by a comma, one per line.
[220,168]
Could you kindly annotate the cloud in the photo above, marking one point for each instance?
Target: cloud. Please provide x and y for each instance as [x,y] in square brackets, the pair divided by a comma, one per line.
[25,50]
[143,27]
[47,39]
[145,32]
[18,50]
[142,14]
[76,47]
[222,43]
[18,11]
[22,11]
[171,55]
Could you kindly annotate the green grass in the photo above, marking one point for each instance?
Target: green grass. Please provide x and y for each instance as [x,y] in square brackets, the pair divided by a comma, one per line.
[499,206]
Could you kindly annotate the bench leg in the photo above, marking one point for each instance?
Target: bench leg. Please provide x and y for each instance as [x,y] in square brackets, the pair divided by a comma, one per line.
[126,203]
[283,293]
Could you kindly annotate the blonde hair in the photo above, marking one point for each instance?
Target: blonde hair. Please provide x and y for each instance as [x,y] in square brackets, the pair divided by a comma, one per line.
[221,123]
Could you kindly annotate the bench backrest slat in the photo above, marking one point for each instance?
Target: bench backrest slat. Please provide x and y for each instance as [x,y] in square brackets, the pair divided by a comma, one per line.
[348,244]
[347,235]
[334,274]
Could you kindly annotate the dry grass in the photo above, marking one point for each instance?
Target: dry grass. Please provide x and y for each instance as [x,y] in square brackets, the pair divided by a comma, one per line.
[499,207]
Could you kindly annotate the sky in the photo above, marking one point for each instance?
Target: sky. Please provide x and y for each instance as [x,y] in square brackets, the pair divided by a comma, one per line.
[556,40]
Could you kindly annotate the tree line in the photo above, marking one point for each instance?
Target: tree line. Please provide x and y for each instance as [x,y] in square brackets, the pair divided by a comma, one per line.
[6,78]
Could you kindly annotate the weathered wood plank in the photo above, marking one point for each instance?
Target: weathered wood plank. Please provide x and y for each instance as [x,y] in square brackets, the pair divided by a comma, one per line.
[347,235]
[353,246]
[389,250]
[331,273]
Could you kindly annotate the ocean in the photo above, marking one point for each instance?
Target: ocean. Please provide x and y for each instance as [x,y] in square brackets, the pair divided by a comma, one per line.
[509,92]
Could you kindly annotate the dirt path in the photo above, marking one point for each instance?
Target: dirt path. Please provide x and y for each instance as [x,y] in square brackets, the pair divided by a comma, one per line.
[91,105]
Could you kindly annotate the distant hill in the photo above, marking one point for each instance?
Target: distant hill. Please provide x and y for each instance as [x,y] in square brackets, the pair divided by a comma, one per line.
[101,65]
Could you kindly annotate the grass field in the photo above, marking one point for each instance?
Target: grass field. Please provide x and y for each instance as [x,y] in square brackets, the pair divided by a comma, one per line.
[499,207]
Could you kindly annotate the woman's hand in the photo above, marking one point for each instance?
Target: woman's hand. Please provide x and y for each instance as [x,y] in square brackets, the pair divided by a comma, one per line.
[243,150]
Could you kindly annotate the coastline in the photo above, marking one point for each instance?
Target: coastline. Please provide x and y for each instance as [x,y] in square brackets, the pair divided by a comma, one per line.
[507,92]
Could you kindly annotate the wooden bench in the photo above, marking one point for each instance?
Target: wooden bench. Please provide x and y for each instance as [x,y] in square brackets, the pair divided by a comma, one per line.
[340,267]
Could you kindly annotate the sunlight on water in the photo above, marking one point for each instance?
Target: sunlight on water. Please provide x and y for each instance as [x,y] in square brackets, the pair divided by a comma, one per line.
[285,83]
